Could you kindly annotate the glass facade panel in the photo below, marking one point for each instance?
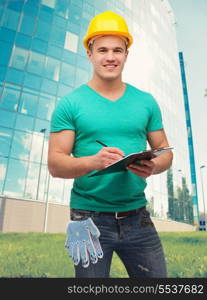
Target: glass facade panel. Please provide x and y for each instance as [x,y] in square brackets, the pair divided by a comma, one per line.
[7,118]
[49,86]
[52,68]
[19,58]
[10,97]
[36,63]
[28,25]
[32,181]
[5,52]
[21,145]
[37,147]
[15,76]
[39,45]
[32,81]
[24,123]
[15,178]
[28,102]
[49,3]
[46,106]
[23,40]
[57,36]
[43,30]
[81,77]
[71,42]
[3,167]
[62,8]
[5,141]
[10,19]
[75,14]
[67,74]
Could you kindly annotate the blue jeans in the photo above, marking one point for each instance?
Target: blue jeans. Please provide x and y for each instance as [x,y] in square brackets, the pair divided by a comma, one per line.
[136,242]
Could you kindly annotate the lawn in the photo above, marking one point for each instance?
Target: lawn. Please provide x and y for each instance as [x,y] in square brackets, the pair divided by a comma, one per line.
[43,255]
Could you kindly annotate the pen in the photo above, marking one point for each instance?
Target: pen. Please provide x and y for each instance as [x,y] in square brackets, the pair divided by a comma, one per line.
[104,144]
[101,143]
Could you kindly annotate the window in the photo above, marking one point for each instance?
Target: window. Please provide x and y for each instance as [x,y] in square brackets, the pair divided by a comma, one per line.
[10,19]
[7,118]
[27,25]
[3,166]
[62,8]
[21,145]
[19,58]
[67,74]
[32,81]
[46,106]
[32,181]
[49,86]
[36,63]
[52,68]
[71,42]
[24,123]
[15,179]
[5,141]
[10,97]
[57,36]
[49,3]
[43,30]
[5,52]
[28,102]
[23,40]
[81,77]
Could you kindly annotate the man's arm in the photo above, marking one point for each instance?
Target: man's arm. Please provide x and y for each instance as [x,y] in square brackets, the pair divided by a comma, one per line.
[62,164]
[156,139]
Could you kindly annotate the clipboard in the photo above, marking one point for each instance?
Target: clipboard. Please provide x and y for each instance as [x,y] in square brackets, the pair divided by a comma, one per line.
[134,158]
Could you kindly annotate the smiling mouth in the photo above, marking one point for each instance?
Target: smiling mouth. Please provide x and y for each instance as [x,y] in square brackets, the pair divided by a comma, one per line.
[110,66]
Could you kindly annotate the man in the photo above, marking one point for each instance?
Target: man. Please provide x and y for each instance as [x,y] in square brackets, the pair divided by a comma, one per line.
[108,212]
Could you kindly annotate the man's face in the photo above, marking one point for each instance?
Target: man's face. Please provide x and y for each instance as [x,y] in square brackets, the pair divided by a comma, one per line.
[108,55]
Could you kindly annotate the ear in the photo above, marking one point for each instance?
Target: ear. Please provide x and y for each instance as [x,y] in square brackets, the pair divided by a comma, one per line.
[89,53]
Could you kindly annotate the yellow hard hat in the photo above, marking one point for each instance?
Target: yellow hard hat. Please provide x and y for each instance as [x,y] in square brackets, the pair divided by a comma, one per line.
[110,23]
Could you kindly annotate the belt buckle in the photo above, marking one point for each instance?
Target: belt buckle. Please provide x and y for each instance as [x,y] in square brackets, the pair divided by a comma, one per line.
[117,217]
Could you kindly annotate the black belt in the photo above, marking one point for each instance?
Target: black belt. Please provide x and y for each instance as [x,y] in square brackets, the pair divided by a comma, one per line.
[117,215]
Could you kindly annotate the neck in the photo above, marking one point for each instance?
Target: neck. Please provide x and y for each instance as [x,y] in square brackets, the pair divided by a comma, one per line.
[101,85]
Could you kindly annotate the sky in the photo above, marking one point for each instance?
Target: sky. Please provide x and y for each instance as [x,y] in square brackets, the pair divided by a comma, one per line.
[191,29]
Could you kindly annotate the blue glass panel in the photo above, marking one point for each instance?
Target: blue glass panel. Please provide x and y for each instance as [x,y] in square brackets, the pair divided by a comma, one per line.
[40,124]
[21,145]
[32,181]
[79,3]
[75,14]
[7,35]
[43,30]
[23,41]
[83,62]
[46,106]
[69,57]
[32,81]
[37,146]
[5,52]
[36,63]
[49,86]
[28,25]
[30,8]
[57,36]
[10,19]
[28,102]
[62,8]
[16,5]
[55,51]
[10,97]
[60,22]
[72,27]
[5,141]
[46,13]
[67,74]
[19,58]
[2,73]
[7,118]
[52,68]
[39,46]
[3,167]
[81,77]
[24,123]
[63,90]
[15,178]
[49,3]
[1,85]
[15,76]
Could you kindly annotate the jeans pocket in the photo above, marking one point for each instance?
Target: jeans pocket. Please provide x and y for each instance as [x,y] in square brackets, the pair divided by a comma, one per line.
[145,220]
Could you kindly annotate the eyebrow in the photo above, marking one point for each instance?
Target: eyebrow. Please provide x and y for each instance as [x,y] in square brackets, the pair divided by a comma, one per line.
[105,48]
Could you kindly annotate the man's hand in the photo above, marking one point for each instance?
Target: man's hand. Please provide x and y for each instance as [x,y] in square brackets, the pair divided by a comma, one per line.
[144,169]
[83,242]
[105,157]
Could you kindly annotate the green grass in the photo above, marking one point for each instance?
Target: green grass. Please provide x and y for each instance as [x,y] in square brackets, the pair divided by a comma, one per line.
[43,255]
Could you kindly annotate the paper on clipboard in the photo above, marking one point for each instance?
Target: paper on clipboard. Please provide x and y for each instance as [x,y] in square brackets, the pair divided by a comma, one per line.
[121,164]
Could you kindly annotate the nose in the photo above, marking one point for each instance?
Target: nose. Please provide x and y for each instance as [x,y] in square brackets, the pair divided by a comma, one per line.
[110,56]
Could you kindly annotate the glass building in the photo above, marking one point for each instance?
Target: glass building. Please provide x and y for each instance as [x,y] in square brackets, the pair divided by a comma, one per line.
[42,58]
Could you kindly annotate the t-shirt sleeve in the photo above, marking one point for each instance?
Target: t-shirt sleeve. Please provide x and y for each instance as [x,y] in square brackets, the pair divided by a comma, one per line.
[155,120]
[62,117]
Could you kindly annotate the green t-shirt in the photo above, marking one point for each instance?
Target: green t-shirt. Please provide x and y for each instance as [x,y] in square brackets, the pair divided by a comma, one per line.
[124,124]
